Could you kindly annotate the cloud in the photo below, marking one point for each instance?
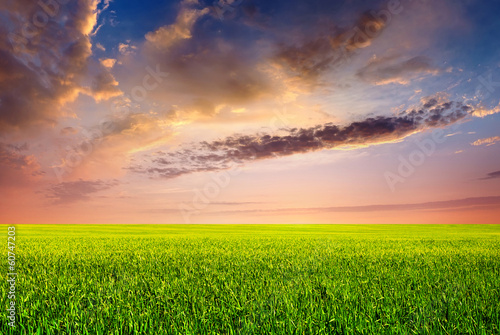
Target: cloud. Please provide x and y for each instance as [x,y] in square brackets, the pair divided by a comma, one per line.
[75,191]
[126,48]
[68,131]
[107,62]
[492,175]
[458,204]
[99,46]
[41,65]
[488,141]
[17,169]
[244,66]
[483,111]
[105,86]
[390,70]
[313,57]
[206,72]
[239,149]
[366,29]
[166,36]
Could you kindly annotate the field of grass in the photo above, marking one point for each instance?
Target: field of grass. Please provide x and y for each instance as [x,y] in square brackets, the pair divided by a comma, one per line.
[255,279]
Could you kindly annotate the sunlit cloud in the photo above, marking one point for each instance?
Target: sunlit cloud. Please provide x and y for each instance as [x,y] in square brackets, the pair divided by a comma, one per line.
[108,62]
[486,141]
[167,36]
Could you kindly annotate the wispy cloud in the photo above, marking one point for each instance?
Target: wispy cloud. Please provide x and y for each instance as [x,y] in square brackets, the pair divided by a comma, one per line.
[392,70]
[458,204]
[75,191]
[492,175]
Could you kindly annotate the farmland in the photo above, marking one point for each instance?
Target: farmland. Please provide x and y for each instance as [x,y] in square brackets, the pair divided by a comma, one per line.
[256,279]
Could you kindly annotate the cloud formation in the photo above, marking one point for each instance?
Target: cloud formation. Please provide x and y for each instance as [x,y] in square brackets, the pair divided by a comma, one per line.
[240,65]
[492,175]
[44,53]
[239,149]
[205,71]
[390,70]
[75,191]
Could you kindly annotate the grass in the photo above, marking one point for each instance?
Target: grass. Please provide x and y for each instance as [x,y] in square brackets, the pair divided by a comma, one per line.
[256,279]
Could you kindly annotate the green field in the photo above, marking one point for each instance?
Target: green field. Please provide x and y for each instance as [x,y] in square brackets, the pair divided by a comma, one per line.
[255,279]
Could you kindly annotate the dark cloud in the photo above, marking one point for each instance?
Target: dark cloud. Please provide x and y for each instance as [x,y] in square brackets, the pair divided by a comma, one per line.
[239,149]
[16,169]
[331,47]
[391,70]
[74,191]
[308,60]
[492,175]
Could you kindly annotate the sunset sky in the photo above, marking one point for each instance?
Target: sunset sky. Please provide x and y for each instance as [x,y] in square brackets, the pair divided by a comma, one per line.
[249,111]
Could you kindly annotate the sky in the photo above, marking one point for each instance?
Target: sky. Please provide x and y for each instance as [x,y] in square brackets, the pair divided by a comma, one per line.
[249,111]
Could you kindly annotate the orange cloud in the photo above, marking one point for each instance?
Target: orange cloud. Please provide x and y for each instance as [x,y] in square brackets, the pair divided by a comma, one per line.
[488,141]
[166,36]
[108,62]
[482,111]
